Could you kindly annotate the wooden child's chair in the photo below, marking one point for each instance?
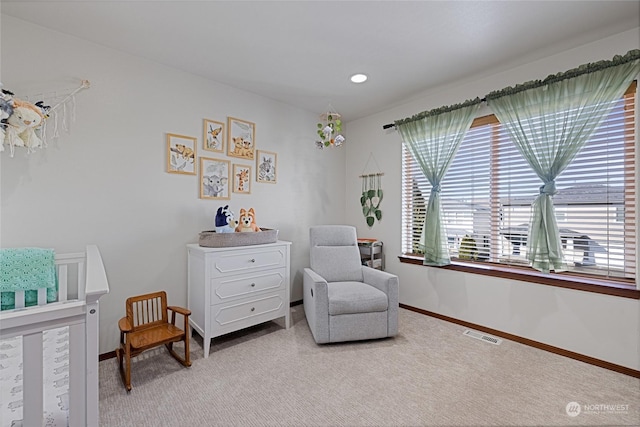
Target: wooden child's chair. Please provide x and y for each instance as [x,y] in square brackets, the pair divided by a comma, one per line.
[147,326]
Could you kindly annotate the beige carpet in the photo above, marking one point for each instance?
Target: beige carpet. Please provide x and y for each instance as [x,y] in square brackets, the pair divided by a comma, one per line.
[429,375]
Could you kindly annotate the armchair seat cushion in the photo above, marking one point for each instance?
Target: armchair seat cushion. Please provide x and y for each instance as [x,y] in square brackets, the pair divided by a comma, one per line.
[355,297]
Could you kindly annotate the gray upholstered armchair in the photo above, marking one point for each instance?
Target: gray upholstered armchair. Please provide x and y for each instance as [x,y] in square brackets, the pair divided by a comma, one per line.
[344,300]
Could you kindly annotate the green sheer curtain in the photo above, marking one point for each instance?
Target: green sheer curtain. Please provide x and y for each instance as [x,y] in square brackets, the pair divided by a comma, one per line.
[550,121]
[433,138]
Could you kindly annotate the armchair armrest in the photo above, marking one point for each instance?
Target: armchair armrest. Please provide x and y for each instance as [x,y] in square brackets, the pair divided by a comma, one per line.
[315,281]
[386,282]
[316,304]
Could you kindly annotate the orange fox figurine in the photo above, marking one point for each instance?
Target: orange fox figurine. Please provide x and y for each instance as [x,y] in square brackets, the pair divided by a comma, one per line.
[247,221]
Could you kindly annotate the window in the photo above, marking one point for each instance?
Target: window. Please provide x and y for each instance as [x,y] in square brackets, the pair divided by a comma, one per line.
[487,194]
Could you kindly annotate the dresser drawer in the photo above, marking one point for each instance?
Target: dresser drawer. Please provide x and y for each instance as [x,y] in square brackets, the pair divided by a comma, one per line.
[238,261]
[233,287]
[231,317]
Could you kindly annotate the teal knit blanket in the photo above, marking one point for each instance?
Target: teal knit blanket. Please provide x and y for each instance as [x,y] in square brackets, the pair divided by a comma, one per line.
[26,269]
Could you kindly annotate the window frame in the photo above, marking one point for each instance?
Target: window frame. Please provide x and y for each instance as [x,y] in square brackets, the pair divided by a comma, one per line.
[626,288]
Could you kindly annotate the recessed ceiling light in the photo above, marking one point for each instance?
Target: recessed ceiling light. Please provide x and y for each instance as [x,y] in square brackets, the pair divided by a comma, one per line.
[359,78]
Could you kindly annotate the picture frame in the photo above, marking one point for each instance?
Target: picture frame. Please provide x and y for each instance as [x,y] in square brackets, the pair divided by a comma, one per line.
[241,138]
[181,154]
[213,136]
[241,179]
[214,178]
[266,167]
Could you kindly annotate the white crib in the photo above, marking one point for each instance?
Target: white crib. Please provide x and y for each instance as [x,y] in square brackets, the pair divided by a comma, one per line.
[80,315]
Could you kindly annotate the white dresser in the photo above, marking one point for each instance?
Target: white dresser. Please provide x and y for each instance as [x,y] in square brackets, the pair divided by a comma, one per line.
[237,287]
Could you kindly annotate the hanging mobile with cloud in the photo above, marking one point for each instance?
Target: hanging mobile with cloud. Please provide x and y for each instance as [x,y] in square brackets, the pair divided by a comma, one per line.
[329,129]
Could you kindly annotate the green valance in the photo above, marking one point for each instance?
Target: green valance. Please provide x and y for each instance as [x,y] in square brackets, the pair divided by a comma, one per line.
[630,56]
[437,111]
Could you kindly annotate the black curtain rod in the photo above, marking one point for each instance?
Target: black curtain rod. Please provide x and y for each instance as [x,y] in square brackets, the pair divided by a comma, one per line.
[392,125]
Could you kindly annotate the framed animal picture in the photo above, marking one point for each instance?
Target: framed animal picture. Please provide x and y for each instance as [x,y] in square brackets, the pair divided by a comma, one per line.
[241,138]
[214,178]
[181,154]
[213,137]
[241,179]
[266,167]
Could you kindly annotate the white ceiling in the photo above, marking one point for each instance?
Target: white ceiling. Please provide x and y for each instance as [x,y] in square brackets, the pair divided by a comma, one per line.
[303,52]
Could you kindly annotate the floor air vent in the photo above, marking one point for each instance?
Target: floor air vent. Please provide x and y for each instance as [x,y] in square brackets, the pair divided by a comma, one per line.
[483,337]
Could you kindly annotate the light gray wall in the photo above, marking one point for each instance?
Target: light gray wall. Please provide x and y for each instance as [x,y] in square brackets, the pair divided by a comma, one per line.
[105,183]
[600,326]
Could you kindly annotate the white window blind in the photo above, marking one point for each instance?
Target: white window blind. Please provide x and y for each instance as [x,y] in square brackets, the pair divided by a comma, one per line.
[487,194]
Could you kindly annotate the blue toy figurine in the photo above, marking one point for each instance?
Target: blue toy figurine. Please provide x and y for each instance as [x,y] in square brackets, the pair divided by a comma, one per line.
[225,222]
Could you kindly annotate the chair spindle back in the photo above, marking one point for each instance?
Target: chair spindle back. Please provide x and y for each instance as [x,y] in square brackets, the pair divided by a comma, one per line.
[146,311]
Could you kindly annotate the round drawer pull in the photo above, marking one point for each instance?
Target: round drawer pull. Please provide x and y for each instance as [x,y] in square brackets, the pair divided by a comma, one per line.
[253,309]
[252,260]
[253,285]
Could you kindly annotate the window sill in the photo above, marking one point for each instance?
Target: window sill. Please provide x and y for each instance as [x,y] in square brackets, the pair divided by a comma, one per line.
[560,280]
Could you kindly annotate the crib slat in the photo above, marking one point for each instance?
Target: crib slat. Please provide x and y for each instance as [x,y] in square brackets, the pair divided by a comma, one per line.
[19,299]
[42,296]
[32,380]
[62,282]
[81,281]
